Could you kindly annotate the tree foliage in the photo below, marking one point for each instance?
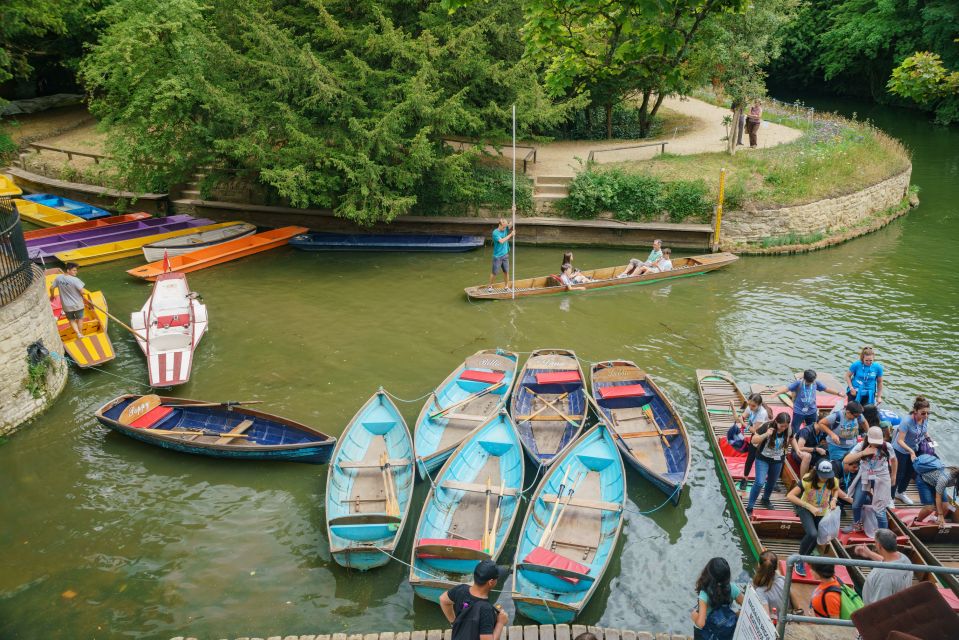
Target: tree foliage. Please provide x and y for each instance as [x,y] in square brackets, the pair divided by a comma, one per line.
[923,78]
[339,104]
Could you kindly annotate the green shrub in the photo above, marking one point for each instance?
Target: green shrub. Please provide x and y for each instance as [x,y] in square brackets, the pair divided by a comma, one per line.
[634,197]
[639,197]
[589,194]
[688,199]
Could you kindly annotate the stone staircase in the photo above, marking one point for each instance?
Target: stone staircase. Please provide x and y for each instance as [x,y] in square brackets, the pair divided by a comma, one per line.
[547,190]
[191,191]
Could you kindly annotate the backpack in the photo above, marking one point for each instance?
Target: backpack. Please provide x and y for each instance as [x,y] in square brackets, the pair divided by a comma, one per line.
[720,624]
[849,600]
[927,462]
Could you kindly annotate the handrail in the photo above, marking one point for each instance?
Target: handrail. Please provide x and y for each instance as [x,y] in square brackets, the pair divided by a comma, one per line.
[38,147]
[16,272]
[530,156]
[846,562]
[593,152]
[532,152]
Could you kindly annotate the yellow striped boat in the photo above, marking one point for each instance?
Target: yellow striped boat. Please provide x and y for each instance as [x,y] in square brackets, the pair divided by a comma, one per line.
[94,346]
[8,188]
[44,216]
[129,248]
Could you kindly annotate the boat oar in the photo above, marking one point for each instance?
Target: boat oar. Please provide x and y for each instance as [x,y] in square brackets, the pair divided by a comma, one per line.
[492,532]
[474,396]
[558,411]
[195,432]
[384,471]
[559,495]
[732,407]
[396,500]
[648,412]
[228,403]
[543,408]
[486,517]
[573,486]
[117,320]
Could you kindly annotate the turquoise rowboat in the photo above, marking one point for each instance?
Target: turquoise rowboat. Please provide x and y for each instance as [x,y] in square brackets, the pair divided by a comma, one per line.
[469,512]
[579,504]
[470,395]
[369,486]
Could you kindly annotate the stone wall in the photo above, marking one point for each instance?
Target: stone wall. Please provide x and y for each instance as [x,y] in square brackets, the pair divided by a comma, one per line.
[22,322]
[826,217]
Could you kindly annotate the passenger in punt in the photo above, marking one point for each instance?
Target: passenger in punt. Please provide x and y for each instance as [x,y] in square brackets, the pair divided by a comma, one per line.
[813,498]
[468,609]
[713,616]
[909,435]
[842,428]
[636,263]
[877,467]
[826,601]
[768,582]
[803,392]
[569,278]
[864,379]
[934,492]
[663,265]
[770,441]
[882,583]
[755,414]
[809,447]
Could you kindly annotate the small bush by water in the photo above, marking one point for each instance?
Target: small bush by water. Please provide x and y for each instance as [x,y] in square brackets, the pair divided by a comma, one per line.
[636,197]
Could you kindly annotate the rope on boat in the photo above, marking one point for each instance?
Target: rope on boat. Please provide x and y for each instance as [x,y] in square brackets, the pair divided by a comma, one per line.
[668,500]
[56,356]
[399,399]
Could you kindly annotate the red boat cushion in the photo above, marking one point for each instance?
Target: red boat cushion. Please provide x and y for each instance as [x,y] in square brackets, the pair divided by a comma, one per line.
[736,466]
[624,391]
[179,320]
[482,376]
[907,515]
[546,558]
[476,545]
[774,515]
[729,451]
[151,417]
[950,597]
[841,572]
[859,537]
[556,377]
[57,307]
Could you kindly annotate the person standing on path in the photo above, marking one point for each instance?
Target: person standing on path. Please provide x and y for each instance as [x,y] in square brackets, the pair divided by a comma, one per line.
[73,296]
[468,609]
[740,124]
[501,237]
[753,120]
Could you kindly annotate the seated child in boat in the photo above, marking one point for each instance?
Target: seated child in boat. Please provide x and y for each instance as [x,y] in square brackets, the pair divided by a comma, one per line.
[636,263]
[660,266]
[569,278]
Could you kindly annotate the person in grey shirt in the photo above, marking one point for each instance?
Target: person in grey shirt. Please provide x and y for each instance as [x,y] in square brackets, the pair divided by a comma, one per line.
[72,294]
[882,583]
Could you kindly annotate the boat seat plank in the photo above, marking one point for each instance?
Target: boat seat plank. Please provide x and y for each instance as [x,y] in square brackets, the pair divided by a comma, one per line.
[476,487]
[586,504]
[466,416]
[361,464]
[240,428]
[649,434]
[551,418]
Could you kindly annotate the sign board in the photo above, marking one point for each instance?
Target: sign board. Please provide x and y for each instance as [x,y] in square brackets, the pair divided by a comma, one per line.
[754,622]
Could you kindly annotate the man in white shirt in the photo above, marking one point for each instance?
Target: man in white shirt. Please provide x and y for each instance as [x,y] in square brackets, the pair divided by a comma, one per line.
[882,583]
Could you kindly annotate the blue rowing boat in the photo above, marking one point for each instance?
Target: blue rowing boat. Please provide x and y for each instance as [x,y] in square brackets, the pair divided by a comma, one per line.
[383,242]
[476,390]
[470,510]
[369,486]
[549,403]
[647,429]
[73,207]
[571,530]
[215,429]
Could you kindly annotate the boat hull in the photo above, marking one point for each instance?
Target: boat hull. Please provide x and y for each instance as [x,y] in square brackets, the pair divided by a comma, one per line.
[378,243]
[93,347]
[100,223]
[189,243]
[73,207]
[44,216]
[46,248]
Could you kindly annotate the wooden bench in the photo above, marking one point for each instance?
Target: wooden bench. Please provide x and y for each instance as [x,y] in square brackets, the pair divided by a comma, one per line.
[238,429]
[466,416]
[586,504]
[476,487]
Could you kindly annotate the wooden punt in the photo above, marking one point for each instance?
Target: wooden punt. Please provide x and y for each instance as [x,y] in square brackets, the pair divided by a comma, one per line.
[8,188]
[110,251]
[94,346]
[451,536]
[644,423]
[777,529]
[214,429]
[603,277]
[73,207]
[554,575]
[369,486]
[938,545]
[195,241]
[86,225]
[218,254]
[549,405]
[476,390]
[43,216]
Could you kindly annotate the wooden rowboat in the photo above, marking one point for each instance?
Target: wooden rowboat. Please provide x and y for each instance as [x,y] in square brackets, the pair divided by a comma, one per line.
[469,512]
[215,429]
[646,428]
[549,404]
[218,254]
[604,277]
[73,207]
[94,346]
[169,327]
[369,486]
[110,251]
[195,241]
[475,391]
[87,225]
[43,216]
[580,503]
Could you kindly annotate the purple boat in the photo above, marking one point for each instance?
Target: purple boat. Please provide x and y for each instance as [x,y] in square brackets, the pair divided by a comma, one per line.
[43,249]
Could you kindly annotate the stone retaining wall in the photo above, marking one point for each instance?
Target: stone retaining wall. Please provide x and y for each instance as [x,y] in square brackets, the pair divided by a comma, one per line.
[827,217]
[528,632]
[22,322]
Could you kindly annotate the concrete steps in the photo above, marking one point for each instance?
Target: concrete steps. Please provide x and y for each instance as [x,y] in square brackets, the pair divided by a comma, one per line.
[548,190]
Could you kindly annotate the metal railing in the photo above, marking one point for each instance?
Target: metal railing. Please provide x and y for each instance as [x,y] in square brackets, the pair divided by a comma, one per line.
[869,564]
[16,273]
[592,154]
[97,157]
[529,158]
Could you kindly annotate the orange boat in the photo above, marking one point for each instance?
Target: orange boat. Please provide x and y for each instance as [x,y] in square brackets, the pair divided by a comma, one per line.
[84,226]
[218,254]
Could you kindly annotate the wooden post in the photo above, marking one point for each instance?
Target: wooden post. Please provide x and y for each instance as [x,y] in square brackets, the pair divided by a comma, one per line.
[719,209]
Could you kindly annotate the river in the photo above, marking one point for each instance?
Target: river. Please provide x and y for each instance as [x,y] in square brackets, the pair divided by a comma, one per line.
[104,537]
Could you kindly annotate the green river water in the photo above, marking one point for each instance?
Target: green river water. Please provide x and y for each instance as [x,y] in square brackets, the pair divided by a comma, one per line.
[155,544]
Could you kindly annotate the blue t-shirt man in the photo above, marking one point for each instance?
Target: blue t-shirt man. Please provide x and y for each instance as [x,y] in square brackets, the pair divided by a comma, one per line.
[846,425]
[502,234]
[500,248]
[864,380]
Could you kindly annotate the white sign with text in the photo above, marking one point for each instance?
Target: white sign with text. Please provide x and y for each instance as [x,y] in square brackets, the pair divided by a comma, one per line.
[754,622]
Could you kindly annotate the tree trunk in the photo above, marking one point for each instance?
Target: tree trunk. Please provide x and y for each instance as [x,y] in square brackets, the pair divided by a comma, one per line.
[644,115]
[734,131]
[589,119]
[609,122]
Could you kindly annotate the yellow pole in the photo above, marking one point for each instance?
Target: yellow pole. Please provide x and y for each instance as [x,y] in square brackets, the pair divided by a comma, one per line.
[719,209]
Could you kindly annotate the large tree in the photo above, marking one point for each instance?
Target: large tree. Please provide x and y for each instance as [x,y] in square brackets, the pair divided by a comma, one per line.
[341,104]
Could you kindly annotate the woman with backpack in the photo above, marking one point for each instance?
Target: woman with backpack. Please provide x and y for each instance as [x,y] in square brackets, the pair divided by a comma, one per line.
[877,467]
[907,441]
[864,379]
[713,616]
[770,441]
[816,495]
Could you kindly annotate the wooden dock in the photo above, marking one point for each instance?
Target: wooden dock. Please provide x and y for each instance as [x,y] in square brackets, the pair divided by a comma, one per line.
[528,632]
